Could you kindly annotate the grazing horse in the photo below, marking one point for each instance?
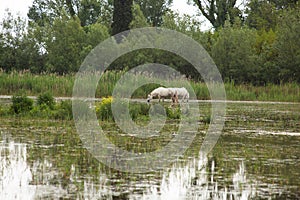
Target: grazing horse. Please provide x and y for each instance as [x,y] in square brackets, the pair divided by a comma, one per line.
[159,92]
[174,99]
[181,93]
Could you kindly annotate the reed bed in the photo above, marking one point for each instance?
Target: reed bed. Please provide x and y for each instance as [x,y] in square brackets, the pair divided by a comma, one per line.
[62,86]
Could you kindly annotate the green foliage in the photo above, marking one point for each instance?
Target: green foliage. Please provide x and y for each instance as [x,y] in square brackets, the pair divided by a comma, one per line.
[94,34]
[262,48]
[266,56]
[218,12]
[63,111]
[44,12]
[31,84]
[185,24]
[139,19]
[173,113]
[91,11]
[46,99]
[18,50]
[67,44]
[261,15]
[21,103]
[122,16]
[205,119]
[234,54]
[288,45]
[5,110]
[41,111]
[154,10]
[137,110]
[265,14]
[103,109]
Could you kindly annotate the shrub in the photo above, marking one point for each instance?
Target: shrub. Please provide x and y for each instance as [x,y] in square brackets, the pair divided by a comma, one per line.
[21,103]
[63,111]
[205,119]
[138,109]
[4,110]
[47,100]
[173,113]
[41,111]
[103,109]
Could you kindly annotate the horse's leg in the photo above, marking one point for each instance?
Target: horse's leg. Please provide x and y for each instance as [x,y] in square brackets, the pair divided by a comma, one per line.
[176,98]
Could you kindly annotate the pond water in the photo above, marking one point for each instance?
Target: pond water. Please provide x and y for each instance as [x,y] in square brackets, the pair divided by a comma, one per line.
[256,157]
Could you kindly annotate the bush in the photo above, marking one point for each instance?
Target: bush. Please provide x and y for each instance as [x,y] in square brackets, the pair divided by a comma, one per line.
[21,104]
[41,111]
[173,113]
[103,109]
[46,99]
[63,111]
[138,109]
[4,110]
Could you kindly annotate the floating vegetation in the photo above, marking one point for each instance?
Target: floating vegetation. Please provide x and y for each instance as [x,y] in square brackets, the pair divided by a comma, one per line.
[256,157]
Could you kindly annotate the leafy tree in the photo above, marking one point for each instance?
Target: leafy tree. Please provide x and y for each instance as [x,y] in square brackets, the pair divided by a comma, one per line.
[266,56]
[154,10]
[88,11]
[188,25]
[68,43]
[64,45]
[12,34]
[91,11]
[234,54]
[218,11]
[96,33]
[261,15]
[139,19]
[122,16]
[284,4]
[44,12]
[288,45]
[18,49]
[264,14]
[185,24]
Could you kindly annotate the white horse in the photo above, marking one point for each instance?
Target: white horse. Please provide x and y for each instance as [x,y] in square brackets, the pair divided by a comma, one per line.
[181,93]
[159,92]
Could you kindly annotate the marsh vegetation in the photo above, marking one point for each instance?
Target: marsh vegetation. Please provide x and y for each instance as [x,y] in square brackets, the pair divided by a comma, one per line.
[259,141]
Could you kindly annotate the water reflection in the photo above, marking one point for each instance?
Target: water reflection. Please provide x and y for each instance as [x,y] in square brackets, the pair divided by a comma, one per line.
[93,190]
[15,172]
[20,180]
[195,181]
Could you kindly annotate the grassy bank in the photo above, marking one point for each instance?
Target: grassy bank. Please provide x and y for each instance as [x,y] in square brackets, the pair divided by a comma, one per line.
[33,85]
[45,107]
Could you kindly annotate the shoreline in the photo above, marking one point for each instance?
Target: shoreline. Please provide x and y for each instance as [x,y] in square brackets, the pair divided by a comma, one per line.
[140,100]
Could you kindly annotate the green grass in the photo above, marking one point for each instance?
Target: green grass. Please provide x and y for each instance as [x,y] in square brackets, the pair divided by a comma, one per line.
[33,85]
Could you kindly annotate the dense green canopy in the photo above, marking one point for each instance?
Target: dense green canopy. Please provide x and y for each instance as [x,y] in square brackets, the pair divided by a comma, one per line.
[259,44]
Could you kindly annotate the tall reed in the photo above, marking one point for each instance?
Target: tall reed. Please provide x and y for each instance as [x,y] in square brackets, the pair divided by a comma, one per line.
[32,84]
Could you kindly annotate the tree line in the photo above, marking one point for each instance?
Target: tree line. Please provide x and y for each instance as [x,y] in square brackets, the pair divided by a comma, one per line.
[258,44]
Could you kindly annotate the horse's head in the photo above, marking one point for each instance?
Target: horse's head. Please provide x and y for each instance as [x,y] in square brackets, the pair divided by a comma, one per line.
[149,98]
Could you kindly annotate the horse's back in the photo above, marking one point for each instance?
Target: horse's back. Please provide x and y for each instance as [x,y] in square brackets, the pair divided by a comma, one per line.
[160,91]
